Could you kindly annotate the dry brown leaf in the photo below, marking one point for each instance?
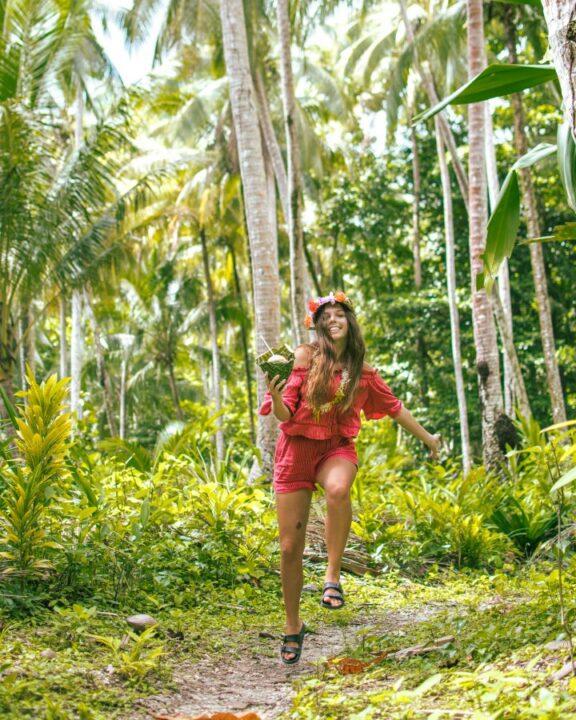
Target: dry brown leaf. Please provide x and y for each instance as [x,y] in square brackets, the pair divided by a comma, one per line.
[348,665]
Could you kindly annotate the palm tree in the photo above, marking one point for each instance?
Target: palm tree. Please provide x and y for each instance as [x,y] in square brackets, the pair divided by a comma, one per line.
[487,358]
[214,342]
[452,299]
[559,15]
[58,204]
[256,197]
[536,249]
[295,198]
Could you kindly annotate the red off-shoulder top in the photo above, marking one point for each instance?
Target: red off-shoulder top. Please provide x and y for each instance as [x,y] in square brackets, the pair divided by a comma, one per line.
[372,396]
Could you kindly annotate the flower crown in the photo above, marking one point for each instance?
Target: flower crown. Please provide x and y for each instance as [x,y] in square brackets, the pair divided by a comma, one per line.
[313,305]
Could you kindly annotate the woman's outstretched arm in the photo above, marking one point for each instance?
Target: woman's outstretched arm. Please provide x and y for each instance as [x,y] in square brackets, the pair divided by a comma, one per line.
[405,419]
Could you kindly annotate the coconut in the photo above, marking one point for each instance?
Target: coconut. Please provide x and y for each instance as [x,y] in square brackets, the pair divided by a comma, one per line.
[277,359]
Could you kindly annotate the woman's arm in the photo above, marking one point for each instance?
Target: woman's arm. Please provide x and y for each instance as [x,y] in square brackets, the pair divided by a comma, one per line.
[405,419]
[275,386]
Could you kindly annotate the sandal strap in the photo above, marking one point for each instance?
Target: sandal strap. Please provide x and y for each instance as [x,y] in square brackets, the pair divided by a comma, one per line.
[292,638]
[339,596]
[333,585]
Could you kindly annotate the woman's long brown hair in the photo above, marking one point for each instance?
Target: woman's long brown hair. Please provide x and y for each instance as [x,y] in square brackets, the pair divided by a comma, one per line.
[318,386]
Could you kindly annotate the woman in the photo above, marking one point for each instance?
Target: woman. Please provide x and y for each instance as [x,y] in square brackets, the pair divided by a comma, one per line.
[319,409]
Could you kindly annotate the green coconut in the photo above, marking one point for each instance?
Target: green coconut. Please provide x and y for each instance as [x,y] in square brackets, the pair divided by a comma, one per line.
[277,361]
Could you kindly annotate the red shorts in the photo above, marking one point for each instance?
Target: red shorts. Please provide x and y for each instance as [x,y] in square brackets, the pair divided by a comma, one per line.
[297,459]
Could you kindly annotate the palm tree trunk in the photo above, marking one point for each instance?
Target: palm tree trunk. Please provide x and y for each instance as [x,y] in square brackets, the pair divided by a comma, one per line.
[511,365]
[63,358]
[536,249]
[430,89]
[174,390]
[560,16]
[275,155]
[103,375]
[510,353]
[30,335]
[295,197]
[8,349]
[76,353]
[21,351]
[272,143]
[244,337]
[503,274]
[487,358]
[416,181]
[123,383]
[263,251]
[417,260]
[77,338]
[453,301]
[214,344]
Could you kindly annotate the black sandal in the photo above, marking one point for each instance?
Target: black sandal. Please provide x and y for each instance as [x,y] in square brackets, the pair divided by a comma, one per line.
[338,594]
[296,651]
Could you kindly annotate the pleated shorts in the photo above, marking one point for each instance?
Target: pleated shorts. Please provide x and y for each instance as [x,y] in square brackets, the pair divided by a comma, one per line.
[298,459]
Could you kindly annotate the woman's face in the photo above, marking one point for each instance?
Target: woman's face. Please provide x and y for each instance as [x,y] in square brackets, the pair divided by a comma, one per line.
[335,321]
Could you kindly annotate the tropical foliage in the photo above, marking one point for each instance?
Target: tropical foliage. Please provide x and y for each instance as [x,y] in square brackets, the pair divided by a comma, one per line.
[156,237]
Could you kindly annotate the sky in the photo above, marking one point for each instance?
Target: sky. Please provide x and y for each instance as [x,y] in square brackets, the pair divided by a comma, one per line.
[135,64]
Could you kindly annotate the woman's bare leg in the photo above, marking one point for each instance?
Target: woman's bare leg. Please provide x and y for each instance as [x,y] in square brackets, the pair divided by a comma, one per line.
[336,476]
[292,510]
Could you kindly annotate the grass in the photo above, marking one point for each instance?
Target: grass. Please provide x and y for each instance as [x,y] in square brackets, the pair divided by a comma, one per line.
[78,662]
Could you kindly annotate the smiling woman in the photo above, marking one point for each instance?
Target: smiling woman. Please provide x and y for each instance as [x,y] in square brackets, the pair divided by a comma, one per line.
[319,406]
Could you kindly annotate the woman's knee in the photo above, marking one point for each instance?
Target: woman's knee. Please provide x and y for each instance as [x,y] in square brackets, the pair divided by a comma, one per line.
[337,492]
[291,547]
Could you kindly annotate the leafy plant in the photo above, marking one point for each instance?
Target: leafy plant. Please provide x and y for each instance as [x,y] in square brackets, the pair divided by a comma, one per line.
[31,478]
[141,657]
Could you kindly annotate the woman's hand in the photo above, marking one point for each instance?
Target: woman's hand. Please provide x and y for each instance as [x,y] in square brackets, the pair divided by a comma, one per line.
[276,385]
[434,445]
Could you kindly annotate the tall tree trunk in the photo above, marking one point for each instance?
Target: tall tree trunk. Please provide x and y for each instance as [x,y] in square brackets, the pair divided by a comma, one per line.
[487,358]
[430,89]
[453,301]
[123,384]
[272,144]
[275,155]
[174,390]
[244,337]
[263,251]
[510,353]
[63,353]
[21,351]
[77,337]
[314,282]
[536,249]
[503,274]
[417,260]
[30,337]
[560,16]
[295,198]
[416,181]
[214,345]
[103,375]
[8,349]
[76,354]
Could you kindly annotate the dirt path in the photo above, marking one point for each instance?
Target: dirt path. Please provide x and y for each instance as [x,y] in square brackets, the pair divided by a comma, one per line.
[259,682]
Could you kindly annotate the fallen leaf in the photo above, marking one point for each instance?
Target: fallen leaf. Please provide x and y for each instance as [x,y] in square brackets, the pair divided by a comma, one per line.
[349,666]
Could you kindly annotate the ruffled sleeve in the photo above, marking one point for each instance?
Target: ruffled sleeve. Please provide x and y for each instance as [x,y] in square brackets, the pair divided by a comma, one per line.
[381,401]
[290,394]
